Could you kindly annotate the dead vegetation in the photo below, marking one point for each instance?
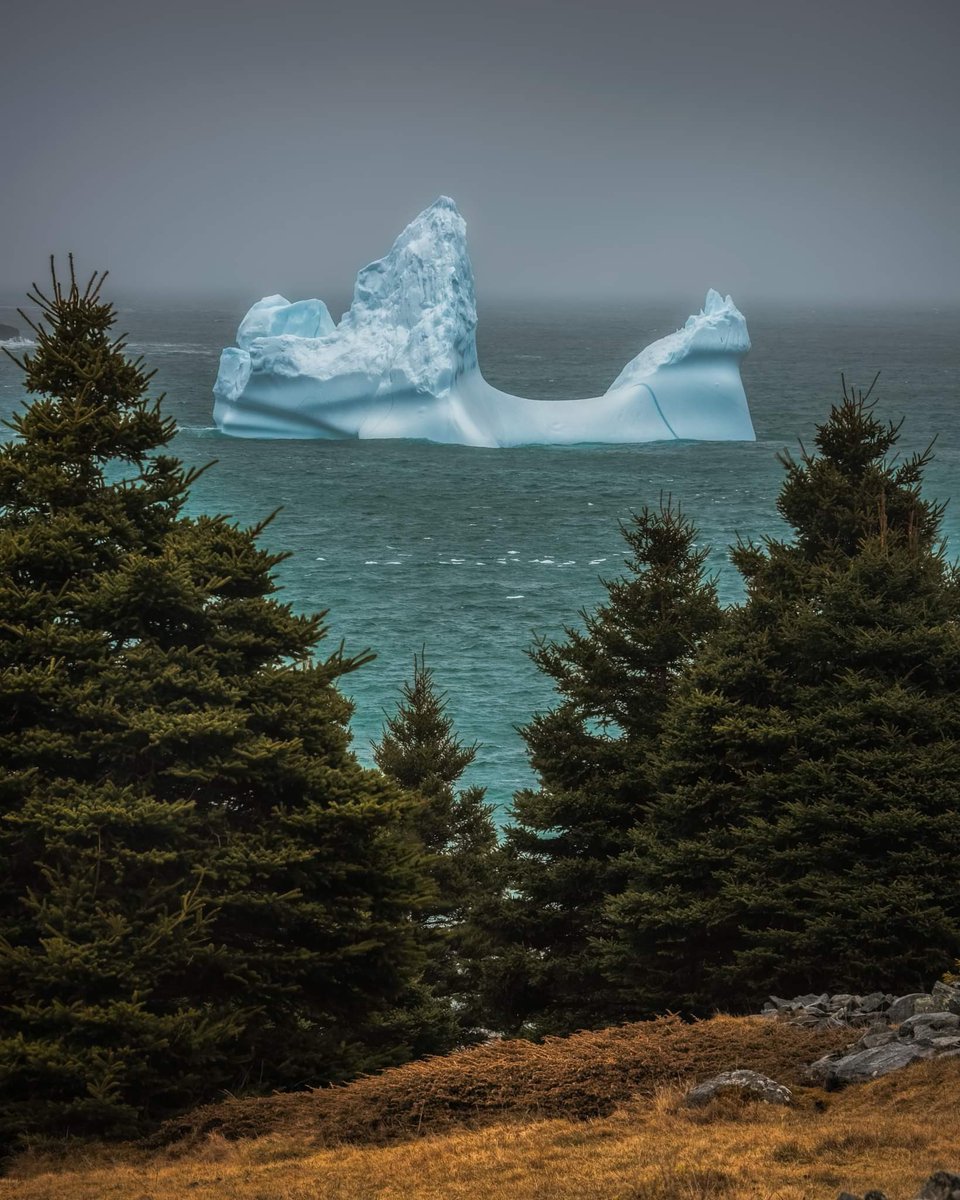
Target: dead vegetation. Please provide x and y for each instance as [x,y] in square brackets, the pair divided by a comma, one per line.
[583,1076]
[593,1117]
[890,1134]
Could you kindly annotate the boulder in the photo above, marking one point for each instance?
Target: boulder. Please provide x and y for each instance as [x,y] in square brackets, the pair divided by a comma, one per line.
[810,998]
[944,1185]
[835,1071]
[947,996]
[778,1002]
[925,1025]
[874,1020]
[905,1006]
[749,1084]
[883,1037]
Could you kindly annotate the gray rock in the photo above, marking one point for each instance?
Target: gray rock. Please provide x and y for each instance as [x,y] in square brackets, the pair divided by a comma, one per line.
[875,1020]
[8,333]
[904,1006]
[834,1072]
[812,998]
[943,1043]
[749,1083]
[947,996]
[821,1071]
[871,1195]
[944,1185]
[874,1002]
[883,1037]
[927,1024]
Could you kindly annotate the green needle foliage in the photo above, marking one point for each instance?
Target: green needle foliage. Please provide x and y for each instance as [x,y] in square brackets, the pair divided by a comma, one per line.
[200,886]
[594,754]
[420,749]
[807,822]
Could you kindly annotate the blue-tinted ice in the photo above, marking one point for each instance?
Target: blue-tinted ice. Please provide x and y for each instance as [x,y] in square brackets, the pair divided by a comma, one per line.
[402,363]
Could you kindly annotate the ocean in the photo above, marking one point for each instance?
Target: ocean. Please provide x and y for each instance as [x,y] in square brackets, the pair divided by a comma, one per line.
[469,554]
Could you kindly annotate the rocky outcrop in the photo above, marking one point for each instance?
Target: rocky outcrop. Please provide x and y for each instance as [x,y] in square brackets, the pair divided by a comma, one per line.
[864,1063]
[747,1084]
[943,1185]
[9,333]
[897,1030]
[879,1009]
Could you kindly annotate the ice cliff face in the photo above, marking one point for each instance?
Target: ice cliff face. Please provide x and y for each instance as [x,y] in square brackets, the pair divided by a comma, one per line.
[403,363]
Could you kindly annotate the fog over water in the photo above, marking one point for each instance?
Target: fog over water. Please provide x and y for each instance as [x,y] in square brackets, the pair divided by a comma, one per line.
[637,151]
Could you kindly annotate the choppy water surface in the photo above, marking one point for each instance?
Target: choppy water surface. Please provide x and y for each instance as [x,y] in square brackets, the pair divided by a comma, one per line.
[471,552]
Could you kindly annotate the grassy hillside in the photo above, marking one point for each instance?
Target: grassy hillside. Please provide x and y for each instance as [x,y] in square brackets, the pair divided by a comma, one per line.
[586,1075]
[598,1115]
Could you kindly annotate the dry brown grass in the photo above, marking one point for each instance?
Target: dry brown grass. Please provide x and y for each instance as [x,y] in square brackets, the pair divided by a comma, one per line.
[891,1133]
[586,1075]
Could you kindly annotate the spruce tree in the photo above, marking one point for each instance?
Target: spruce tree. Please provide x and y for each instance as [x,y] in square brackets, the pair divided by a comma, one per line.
[420,749]
[200,886]
[806,826]
[593,753]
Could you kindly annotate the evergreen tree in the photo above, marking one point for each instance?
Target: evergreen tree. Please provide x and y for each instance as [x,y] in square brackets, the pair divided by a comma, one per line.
[200,886]
[593,755]
[420,749]
[807,823]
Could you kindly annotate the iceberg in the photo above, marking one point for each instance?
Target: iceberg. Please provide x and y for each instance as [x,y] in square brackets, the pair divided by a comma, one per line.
[402,363]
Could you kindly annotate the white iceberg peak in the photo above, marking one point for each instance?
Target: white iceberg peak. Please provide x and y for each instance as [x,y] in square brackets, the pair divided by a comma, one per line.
[714,302]
[718,330]
[402,363]
[275,315]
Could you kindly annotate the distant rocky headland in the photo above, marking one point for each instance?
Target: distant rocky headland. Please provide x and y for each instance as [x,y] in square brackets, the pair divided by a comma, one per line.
[8,333]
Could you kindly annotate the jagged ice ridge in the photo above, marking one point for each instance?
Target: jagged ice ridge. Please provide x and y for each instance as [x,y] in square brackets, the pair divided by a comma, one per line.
[402,363]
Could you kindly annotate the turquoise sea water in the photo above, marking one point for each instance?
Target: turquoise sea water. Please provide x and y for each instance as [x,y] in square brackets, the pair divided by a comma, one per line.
[469,553]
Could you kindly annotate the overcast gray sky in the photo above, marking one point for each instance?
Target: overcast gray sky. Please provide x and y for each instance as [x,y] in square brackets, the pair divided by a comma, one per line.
[807,149]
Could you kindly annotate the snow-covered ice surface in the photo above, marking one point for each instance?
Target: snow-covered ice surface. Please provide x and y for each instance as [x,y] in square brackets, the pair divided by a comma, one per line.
[402,363]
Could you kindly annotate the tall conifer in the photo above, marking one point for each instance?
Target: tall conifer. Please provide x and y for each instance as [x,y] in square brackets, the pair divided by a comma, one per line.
[593,753]
[420,749]
[807,823]
[200,886]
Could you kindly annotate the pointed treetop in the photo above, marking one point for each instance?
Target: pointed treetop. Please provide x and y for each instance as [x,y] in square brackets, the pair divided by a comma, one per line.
[853,490]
